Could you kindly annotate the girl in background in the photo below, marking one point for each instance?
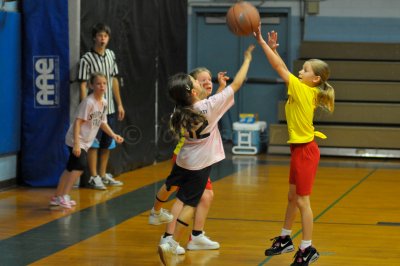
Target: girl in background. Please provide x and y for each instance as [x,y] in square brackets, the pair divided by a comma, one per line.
[91,115]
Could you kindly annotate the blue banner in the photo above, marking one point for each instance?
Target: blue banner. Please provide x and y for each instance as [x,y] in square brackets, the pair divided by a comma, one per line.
[45,91]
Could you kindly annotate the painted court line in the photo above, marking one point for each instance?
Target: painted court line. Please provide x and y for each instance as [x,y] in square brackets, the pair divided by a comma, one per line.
[47,239]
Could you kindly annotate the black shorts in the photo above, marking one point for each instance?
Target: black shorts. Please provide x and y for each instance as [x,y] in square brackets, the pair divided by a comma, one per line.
[191,183]
[104,139]
[77,163]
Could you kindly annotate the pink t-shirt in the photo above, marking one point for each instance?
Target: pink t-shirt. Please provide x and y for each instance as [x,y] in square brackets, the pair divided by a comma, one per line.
[93,113]
[196,153]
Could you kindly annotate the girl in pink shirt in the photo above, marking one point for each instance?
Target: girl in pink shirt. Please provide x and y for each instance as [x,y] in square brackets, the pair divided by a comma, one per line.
[91,115]
[203,144]
[197,240]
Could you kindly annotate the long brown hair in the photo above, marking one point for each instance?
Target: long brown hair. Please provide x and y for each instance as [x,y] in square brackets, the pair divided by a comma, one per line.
[184,116]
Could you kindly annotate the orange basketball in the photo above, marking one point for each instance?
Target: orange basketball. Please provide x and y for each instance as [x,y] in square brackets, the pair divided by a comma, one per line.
[242,18]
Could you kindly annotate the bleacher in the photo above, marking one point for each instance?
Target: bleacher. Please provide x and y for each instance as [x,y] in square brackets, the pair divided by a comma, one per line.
[366,121]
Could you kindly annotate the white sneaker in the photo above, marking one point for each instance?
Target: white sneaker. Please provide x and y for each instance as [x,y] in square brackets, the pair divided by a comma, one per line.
[178,251]
[163,217]
[55,201]
[60,201]
[96,183]
[201,242]
[71,201]
[110,181]
[166,251]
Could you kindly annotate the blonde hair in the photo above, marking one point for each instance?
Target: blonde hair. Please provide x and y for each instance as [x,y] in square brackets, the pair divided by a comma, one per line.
[195,72]
[326,95]
[94,75]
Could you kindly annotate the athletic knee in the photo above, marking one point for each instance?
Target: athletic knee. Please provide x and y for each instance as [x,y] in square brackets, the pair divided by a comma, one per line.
[303,202]
[208,196]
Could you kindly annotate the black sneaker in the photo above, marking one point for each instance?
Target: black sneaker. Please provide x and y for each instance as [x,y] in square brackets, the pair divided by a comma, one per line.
[280,245]
[306,257]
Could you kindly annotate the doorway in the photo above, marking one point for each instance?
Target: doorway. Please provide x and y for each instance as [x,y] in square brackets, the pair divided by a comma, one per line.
[212,45]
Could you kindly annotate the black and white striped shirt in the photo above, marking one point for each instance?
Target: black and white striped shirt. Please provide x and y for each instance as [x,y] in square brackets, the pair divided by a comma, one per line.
[92,62]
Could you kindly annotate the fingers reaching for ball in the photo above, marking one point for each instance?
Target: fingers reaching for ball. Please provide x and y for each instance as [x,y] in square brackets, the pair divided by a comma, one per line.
[247,53]
[273,40]
[257,34]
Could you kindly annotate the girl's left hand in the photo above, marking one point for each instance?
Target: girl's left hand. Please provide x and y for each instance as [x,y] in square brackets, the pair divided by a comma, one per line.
[121,113]
[257,34]
[76,150]
[273,40]
[247,53]
[118,139]
[222,79]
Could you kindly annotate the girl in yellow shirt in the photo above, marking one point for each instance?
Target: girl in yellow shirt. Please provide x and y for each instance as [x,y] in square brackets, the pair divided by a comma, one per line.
[305,93]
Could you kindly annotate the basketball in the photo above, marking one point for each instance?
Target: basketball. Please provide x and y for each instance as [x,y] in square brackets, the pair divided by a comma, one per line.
[242,18]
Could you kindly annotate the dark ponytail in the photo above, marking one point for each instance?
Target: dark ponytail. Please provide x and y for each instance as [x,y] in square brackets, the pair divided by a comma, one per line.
[184,117]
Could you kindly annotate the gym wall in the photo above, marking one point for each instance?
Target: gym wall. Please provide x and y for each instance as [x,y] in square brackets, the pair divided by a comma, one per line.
[149,39]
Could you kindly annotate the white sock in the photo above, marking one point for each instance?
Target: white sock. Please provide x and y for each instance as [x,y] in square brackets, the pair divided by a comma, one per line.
[305,244]
[286,232]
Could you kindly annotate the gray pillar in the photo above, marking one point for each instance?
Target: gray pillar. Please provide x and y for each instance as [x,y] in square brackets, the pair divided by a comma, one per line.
[74,24]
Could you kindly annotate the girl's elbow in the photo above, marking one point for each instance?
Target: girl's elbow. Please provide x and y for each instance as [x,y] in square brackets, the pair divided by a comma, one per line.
[235,86]
[284,74]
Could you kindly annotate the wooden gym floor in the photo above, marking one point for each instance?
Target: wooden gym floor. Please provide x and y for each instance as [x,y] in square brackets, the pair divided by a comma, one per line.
[355,202]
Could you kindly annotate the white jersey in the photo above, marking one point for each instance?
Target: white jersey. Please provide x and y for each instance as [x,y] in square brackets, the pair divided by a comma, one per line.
[93,114]
[198,152]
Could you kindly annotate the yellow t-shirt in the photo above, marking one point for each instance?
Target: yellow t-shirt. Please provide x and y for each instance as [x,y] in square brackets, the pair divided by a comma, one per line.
[299,110]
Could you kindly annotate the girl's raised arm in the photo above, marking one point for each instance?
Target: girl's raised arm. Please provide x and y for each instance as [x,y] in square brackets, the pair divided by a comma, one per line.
[272,55]
[242,73]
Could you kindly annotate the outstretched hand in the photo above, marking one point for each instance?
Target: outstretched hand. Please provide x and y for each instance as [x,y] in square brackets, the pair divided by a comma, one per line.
[222,79]
[273,40]
[257,34]
[247,53]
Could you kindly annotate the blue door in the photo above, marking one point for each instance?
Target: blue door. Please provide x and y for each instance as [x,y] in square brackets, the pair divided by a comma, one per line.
[212,45]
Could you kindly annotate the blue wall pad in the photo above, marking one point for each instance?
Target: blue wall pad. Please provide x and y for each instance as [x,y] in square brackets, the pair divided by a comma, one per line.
[45,91]
[10,85]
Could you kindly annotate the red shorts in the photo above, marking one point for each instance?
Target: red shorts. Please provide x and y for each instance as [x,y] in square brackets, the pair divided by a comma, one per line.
[208,186]
[303,166]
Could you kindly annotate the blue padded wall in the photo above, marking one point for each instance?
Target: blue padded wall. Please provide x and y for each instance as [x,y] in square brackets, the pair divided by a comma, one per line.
[10,82]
